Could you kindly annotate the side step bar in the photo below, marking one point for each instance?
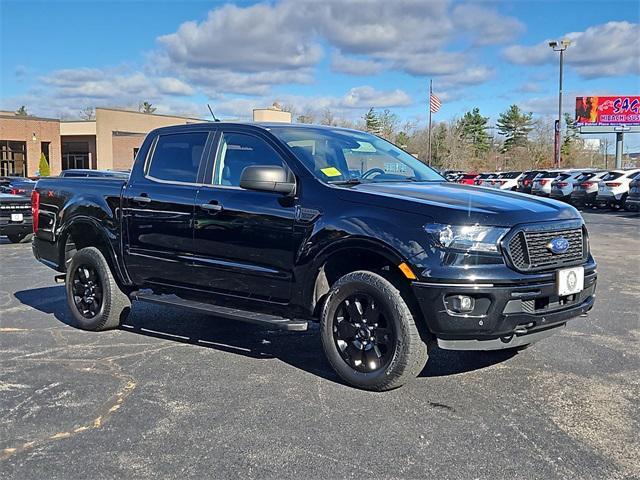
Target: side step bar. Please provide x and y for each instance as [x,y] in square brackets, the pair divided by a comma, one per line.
[264,319]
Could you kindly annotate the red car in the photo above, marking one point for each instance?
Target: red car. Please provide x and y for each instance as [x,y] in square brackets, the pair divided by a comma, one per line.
[467,178]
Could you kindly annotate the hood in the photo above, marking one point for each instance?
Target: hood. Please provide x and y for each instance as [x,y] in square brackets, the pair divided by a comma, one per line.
[460,204]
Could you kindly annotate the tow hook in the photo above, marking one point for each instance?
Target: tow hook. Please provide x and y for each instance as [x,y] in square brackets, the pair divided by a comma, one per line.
[523,328]
[59,278]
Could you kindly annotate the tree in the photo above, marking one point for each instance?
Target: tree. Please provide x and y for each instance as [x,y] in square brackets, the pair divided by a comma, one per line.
[371,122]
[328,118]
[146,107]
[308,116]
[473,128]
[402,139]
[515,125]
[87,113]
[22,111]
[388,125]
[570,136]
[43,166]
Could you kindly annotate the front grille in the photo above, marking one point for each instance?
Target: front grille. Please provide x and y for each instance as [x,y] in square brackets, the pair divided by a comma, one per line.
[528,250]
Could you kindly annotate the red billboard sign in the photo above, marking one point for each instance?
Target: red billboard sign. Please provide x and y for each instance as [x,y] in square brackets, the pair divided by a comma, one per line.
[621,110]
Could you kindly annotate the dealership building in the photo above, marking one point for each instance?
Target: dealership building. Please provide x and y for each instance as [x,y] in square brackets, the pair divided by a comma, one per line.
[110,142]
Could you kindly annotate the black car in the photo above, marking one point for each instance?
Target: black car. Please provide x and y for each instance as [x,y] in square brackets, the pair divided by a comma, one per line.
[633,199]
[21,186]
[15,217]
[284,225]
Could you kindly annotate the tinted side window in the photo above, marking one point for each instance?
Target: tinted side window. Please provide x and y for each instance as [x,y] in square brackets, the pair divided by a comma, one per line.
[237,151]
[177,157]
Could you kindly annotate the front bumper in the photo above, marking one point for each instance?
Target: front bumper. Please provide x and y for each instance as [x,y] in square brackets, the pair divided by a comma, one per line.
[15,228]
[501,312]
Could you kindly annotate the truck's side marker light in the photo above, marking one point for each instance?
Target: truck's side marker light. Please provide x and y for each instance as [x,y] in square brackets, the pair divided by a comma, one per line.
[404,268]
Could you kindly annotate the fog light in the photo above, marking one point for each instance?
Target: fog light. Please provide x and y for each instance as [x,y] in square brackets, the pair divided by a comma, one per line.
[462,304]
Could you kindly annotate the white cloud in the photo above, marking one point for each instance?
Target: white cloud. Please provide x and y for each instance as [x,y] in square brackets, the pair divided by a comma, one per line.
[606,50]
[276,43]
[354,66]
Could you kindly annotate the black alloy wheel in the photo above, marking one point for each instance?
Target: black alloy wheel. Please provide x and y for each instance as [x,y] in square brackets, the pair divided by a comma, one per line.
[87,291]
[363,335]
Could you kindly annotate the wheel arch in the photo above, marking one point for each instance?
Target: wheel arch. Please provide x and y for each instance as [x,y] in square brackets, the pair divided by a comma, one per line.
[351,255]
[81,232]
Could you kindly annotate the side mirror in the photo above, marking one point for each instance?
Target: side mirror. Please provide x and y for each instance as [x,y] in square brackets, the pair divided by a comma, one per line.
[267,178]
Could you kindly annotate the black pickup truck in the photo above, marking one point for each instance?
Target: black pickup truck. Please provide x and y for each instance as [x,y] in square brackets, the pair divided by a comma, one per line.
[283,225]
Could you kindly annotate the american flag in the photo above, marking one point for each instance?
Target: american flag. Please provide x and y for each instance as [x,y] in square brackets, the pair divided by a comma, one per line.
[434,103]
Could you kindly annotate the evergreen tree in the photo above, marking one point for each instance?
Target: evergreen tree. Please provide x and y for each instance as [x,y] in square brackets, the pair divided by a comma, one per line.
[43,166]
[371,121]
[146,107]
[515,125]
[22,111]
[571,134]
[473,129]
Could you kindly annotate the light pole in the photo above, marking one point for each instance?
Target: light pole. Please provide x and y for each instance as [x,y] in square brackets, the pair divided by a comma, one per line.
[560,46]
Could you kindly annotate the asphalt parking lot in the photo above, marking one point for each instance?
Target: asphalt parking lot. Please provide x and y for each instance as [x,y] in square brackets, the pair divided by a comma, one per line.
[180,395]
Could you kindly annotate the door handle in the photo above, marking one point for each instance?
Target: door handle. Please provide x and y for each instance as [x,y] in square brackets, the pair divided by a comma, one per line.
[142,199]
[211,207]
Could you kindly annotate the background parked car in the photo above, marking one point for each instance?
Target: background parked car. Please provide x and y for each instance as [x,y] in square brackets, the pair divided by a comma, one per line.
[507,181]
[480,178]
[542,182]
[17,186]
[562,186]
[633,200]
[467,178]
[79,172]
[613,189]
[15,217]
[486,182]
[525,182]
[585,188]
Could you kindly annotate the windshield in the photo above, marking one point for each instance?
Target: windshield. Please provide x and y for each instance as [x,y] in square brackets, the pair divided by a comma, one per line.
[339,156]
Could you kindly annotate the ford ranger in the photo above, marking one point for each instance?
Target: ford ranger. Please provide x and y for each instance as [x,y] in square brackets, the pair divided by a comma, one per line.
[283,225]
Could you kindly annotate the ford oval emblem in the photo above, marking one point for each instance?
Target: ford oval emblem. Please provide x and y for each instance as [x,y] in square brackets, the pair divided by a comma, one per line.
[558,245]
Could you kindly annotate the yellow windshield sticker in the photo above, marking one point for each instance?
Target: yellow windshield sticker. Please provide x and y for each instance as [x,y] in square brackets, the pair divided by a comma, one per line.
[331,172]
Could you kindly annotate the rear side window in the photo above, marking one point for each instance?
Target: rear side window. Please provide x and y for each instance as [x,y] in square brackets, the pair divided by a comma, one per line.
[176,157]
[611,176]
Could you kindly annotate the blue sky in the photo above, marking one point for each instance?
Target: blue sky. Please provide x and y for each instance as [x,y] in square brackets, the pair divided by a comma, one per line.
[58,57]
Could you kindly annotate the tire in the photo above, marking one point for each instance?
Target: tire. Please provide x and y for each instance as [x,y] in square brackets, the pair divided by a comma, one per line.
[403,352]
[16,237]
[102,306]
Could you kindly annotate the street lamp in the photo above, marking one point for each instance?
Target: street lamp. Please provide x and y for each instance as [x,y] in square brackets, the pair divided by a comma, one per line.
[559,47]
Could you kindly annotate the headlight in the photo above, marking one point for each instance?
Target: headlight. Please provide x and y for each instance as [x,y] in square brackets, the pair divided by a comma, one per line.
[467,238]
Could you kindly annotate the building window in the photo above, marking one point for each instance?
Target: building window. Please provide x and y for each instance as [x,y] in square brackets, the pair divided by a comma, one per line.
[44,148]
[75,155]
[13,158]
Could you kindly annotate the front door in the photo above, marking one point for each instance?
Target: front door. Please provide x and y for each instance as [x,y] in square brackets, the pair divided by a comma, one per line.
[158,210]
[243,240]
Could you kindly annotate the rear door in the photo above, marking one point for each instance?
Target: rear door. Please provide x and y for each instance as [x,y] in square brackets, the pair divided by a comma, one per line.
[158,207]
[243,239]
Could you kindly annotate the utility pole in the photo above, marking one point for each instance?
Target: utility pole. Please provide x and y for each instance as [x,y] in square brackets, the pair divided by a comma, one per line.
[559,47]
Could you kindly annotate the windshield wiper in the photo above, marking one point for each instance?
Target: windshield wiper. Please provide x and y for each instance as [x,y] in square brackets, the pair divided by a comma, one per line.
[351,181]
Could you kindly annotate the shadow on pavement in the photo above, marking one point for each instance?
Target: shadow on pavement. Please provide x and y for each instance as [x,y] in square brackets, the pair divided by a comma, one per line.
[302,350]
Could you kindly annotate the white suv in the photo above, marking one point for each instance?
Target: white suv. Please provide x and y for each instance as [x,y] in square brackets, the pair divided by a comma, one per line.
[586,188]
[508,181]
[613,189]
[562,187]
[542,183]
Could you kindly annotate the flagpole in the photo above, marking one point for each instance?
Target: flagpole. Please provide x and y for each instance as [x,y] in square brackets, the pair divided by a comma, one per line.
[429,106]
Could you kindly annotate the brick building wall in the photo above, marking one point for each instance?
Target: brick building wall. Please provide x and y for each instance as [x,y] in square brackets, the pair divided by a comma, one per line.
[33,131]
[123,147]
